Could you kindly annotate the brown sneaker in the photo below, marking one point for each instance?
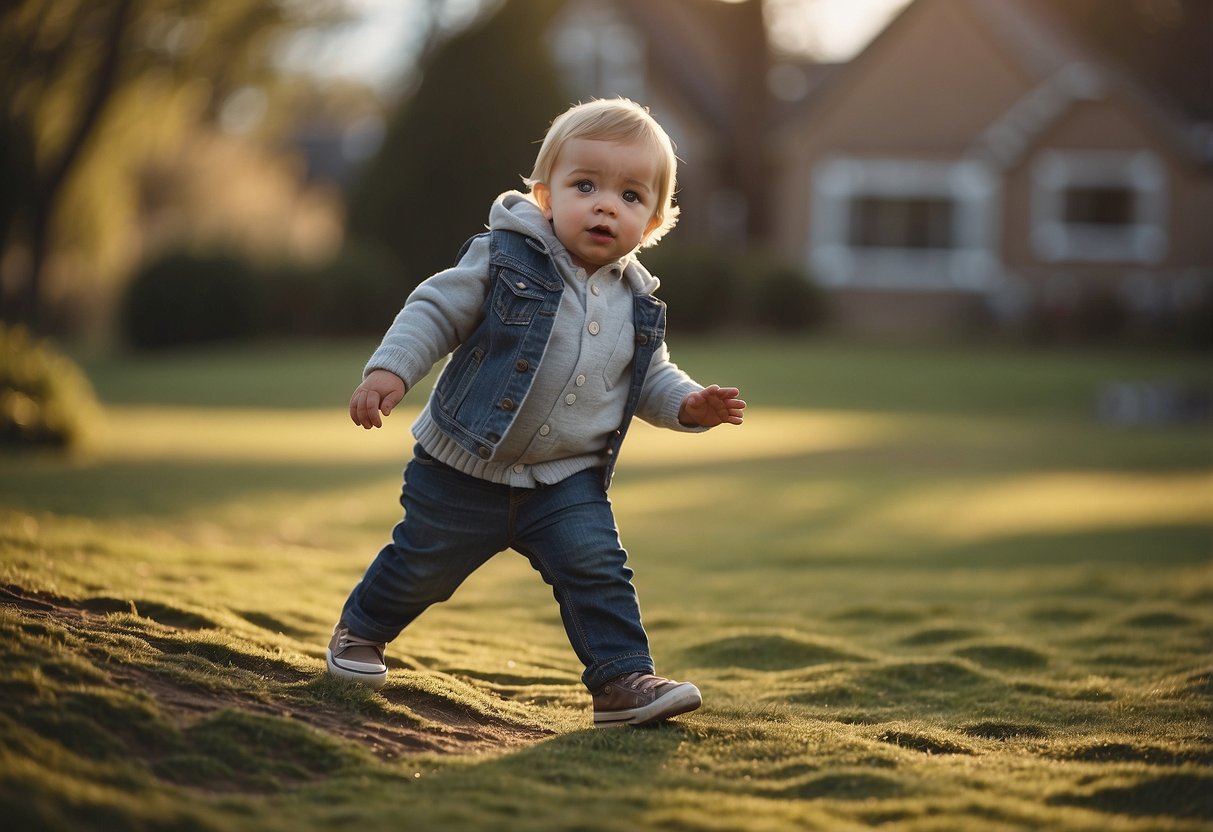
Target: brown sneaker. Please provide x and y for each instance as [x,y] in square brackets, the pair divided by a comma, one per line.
[641,698]
[351,657]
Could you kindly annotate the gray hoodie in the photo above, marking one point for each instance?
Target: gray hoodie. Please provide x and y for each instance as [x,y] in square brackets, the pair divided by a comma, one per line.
[580,389]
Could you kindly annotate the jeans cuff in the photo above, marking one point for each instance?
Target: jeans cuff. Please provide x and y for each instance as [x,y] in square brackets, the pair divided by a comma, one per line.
[366,629]
[598,675]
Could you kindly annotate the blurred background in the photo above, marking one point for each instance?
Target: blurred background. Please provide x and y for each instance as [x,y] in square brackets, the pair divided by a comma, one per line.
[188,172]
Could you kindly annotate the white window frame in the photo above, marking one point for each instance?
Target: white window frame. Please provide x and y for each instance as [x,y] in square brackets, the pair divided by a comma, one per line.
[599,52]
[972,264]
[1144,240]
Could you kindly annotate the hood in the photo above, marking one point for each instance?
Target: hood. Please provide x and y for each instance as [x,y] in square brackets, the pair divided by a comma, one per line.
[515,211]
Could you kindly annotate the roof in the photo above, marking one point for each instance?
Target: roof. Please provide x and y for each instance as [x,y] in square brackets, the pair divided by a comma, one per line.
[1064,70]
[1068,69]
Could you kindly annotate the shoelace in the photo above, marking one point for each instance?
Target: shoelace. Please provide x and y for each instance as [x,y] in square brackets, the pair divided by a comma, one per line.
[348,639]
[643,682]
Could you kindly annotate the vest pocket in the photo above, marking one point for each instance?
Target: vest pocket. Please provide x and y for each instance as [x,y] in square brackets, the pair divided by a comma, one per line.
[467,371]
[515,298]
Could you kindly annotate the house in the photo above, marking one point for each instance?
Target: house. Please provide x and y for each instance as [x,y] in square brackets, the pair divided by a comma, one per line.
[700,65]
[975,160]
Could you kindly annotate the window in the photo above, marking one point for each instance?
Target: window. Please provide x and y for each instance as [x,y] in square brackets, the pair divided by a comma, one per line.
[598,52]
[1099,206]
[904,223]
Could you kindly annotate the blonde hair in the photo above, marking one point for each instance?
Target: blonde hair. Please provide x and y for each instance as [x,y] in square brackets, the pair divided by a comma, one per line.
[618,120]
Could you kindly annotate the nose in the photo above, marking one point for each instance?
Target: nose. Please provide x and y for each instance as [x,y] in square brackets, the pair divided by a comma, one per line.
[606,205]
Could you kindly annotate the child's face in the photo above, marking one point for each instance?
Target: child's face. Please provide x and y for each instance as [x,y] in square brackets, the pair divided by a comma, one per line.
[602,198]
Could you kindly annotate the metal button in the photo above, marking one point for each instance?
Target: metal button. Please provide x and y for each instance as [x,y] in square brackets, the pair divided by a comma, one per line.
[484,453]
[593,327]
[570,398]
[641,338]
[580,381]
[545,430]
[522,365]
[507,404]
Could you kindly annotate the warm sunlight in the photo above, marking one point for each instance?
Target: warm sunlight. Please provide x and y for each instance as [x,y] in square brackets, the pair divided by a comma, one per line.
[1047,503]
[829,30]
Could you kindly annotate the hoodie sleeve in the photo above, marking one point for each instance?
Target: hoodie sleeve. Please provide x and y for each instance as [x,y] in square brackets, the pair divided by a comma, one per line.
[664,389]
[437,316]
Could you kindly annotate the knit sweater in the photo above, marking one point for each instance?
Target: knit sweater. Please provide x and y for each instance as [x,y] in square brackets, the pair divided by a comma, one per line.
[580,389]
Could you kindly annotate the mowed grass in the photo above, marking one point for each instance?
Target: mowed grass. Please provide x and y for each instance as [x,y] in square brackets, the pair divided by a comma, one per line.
[921,589]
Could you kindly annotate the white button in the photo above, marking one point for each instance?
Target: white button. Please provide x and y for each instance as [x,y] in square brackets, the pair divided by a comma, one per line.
[519,468]
[570,398]
[580,381]
[594,288]
[593,327]
[545,430]
[520,285]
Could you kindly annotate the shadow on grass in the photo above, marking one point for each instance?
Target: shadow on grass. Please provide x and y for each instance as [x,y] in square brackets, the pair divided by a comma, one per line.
[1161,545]
[116,490]
[1180,795]
[607,774]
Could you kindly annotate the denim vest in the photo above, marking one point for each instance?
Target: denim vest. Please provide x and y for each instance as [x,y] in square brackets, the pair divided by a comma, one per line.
[489,374]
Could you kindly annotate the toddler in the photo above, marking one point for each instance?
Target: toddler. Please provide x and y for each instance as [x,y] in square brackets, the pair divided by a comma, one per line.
[557,343]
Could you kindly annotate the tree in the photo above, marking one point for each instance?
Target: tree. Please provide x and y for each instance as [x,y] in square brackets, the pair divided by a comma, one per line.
[63,64]
[469,132]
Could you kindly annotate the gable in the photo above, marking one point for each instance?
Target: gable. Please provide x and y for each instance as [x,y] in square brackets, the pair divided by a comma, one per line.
[931,83]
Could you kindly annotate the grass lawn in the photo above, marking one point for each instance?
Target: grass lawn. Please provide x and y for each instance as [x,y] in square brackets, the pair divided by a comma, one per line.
[921,589]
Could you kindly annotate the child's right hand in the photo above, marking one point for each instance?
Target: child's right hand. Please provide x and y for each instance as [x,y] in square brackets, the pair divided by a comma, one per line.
[379,392]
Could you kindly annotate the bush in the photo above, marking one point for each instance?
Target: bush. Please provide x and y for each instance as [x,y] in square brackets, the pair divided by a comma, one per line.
[707,290]
[186,298]
[358,292]
[782,297]
[700,286]
[45,400]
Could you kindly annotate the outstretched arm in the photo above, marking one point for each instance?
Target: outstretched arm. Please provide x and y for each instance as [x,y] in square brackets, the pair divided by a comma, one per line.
[379,393]
[712,406]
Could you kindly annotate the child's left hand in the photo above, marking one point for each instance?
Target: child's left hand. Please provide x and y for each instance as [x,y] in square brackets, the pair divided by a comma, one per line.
[712,406]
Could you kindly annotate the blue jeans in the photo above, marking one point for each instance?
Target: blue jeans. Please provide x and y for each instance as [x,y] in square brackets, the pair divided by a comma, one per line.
[454,523]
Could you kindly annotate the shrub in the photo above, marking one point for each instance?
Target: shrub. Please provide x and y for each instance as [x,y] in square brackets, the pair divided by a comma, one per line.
[1193,324]
[782,297]
[45,400]
[185,298]
[707,290]
[358,292]
[700,286]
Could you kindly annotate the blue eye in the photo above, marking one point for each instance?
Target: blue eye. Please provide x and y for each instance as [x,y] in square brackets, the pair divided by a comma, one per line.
[585,186]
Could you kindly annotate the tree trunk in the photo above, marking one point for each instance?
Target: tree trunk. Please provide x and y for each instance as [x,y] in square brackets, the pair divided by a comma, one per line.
[49,188]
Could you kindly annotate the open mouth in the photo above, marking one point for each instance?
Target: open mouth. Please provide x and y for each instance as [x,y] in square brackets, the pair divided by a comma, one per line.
[602,232]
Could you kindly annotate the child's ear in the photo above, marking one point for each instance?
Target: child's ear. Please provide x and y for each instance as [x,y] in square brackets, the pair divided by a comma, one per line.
[543,198]
[652,226]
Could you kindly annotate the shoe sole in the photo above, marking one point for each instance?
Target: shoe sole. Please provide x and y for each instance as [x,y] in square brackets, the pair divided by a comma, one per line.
[372,679]
[682,699]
